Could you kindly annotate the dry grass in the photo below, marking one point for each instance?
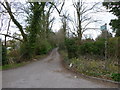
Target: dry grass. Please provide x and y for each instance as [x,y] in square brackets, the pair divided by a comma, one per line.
[91,67]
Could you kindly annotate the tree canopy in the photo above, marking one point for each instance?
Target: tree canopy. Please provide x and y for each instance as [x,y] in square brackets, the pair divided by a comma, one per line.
[114,7]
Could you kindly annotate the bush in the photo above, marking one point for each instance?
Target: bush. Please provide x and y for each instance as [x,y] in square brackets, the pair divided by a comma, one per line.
[14,56]
[116,76]
[72,47]
[28,50]
[4,55]
[92,48]
[0,53]
[43,47]
[86,48]
[100,47]
[113,47]
[25,52]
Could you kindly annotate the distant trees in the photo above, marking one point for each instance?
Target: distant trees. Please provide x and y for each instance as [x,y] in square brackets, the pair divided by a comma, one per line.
[114,7]
[104,34]
[60,38]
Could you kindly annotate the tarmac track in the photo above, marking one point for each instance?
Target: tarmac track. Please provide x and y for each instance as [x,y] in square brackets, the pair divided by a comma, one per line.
[46,73]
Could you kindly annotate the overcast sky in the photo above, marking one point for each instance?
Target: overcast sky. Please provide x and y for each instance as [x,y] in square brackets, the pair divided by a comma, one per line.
[105,17]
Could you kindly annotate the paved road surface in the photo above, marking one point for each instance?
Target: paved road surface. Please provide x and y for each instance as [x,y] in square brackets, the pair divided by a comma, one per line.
[46,73]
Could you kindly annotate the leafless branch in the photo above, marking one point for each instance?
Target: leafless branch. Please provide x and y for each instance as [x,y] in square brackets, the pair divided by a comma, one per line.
[72,32]
[59,11]
[11,37]
[51,25]
[8,25]
[86,10]
[8,8]
[3,5]
[86,19]
[84,28]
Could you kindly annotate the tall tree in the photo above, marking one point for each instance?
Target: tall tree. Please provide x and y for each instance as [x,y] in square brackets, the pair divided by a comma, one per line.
[7,7]
[82,14]
[114,7]
[48,20]
[35,23]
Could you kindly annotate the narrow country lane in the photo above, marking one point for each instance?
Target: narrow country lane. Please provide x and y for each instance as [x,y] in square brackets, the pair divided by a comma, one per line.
[46,73]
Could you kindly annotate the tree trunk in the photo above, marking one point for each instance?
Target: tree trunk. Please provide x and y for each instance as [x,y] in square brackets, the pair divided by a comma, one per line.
[79,27]
[15,21]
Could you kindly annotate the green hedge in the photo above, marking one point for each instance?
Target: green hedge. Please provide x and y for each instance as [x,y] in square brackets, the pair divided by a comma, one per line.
[71,47]
[96,48]
[92,48]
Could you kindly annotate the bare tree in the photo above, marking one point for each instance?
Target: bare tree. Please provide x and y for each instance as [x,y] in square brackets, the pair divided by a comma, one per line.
[64,15]
[48,20]
[65,21]
[7,7]
[7,31]
[82,13]
[56,4]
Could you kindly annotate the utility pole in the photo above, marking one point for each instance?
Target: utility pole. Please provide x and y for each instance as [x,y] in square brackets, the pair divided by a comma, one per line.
[0,52]
[106,62]
[104,28]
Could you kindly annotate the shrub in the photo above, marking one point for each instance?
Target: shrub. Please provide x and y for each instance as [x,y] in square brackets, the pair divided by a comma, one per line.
[0,53]
[28,50]
[72,47]
[113,47]
[86,48]
[92,48]
[14,56]
[100,47]
[25,52]
[4,55]
[116,76]
[43,47]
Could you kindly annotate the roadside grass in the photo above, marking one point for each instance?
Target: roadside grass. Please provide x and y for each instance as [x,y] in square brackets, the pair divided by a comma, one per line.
[95,68]
[11,66]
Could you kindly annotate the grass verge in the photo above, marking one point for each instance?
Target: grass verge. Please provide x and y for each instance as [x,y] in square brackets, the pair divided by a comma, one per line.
[93,68]
[10,66]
